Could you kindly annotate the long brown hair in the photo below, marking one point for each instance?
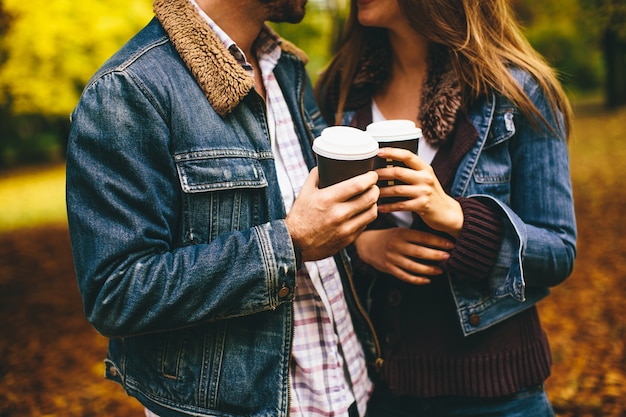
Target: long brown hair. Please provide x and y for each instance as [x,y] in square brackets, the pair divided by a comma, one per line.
[482,38]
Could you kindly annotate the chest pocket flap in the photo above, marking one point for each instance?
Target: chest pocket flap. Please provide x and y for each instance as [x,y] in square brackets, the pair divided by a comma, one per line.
[219,170]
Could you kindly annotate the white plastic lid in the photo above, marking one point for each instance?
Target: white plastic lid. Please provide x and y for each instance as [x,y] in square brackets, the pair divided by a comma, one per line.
[394,130]
[345,143]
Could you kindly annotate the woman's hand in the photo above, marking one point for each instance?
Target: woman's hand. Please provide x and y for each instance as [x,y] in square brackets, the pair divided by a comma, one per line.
[423,191]
[410,255]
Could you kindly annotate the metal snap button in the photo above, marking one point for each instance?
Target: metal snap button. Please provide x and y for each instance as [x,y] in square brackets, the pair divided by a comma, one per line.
[283,292]
[474,319]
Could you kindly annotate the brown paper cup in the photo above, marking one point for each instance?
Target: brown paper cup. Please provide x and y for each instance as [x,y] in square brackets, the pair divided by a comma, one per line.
[343,152]
[395,134]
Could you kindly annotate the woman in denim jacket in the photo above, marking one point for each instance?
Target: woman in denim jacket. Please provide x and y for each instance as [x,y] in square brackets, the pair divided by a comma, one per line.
[487,224]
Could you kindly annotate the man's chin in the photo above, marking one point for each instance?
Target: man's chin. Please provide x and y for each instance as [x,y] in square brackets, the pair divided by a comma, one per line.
[295,19]
[288,16]
[287,19]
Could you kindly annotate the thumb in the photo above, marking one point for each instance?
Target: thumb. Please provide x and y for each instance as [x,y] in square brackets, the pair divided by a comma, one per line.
[312,180]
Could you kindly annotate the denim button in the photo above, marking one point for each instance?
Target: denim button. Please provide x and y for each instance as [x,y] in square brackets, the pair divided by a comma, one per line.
[283,292]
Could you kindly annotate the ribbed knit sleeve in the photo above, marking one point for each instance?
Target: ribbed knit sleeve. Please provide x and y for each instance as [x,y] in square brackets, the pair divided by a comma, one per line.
[477,246]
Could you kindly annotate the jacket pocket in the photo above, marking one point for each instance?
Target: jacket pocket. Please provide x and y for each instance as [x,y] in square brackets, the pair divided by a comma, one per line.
[219,170]
[494,169]
[222,192]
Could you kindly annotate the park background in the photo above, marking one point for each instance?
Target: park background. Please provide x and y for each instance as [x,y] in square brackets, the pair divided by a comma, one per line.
[51,359]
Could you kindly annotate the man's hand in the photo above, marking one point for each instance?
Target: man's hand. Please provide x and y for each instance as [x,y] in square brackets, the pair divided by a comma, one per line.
[324,221]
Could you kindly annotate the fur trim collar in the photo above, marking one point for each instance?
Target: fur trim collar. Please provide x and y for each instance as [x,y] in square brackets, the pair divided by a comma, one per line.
[441,101]
[224,82]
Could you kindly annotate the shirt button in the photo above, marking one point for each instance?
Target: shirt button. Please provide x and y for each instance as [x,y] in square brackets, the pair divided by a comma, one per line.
[474,319]
[283,292]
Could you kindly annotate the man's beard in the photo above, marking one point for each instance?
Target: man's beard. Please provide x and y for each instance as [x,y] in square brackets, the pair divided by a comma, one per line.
[289,11]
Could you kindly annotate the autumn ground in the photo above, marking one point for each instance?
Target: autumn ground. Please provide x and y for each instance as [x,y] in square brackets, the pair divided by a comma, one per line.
[50,358]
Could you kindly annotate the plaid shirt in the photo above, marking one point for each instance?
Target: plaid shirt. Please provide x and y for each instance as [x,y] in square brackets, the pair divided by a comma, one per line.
[328,370]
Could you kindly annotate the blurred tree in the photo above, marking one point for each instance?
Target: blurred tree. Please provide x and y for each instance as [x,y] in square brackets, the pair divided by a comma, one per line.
[608,17]
[47,55]
[4,19]
[318,32]
[559,31]
[49,49]
[339,11]
[54,47]
[584,39]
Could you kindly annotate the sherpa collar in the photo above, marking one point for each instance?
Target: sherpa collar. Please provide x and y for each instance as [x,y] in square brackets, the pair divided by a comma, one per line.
[441,99]
[224,82]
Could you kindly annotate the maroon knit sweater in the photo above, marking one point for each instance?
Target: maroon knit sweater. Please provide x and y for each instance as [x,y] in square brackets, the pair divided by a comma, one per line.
[425,353]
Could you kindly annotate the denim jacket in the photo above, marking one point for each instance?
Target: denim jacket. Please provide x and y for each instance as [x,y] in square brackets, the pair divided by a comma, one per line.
[525,172]
[181,251]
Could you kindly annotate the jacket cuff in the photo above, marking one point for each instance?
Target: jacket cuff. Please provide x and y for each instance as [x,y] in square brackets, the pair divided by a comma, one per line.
[477,246]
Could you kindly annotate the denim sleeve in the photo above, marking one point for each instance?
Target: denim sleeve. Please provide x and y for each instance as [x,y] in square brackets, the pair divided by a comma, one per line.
[124,202]
[539,245]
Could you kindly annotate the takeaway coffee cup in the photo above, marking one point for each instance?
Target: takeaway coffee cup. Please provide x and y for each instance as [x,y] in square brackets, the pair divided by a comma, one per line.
[343,152]
[396,134]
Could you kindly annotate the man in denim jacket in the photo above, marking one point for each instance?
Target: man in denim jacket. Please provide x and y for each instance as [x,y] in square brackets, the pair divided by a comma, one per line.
[187,151]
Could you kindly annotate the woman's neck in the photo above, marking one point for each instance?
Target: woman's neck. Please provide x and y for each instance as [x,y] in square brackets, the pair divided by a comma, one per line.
[409,51]
[400,99]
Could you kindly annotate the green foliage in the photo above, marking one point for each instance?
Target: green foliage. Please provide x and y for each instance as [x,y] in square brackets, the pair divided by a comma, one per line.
[32,138]
[50,49]
[606,14]
[571,52]
[584,39]
[562,33]
[53,47]
[48,52]
[314,35]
